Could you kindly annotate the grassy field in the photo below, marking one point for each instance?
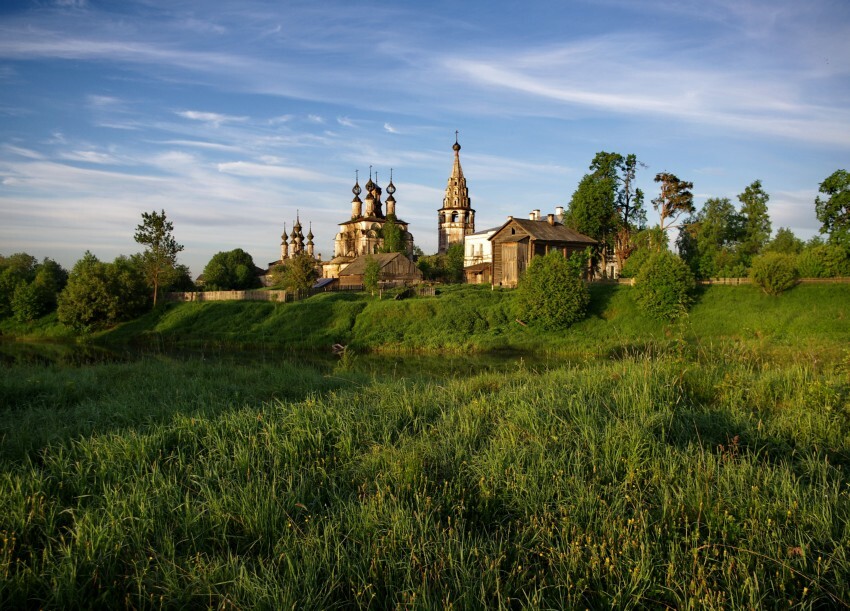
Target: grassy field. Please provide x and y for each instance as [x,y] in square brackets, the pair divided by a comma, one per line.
[696,465]
[470,318]
[673,476]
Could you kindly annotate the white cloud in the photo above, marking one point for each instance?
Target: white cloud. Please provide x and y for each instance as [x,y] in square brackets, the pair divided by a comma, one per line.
[315,119]
[390,128]
[213,118]
[345,122]
[90,157]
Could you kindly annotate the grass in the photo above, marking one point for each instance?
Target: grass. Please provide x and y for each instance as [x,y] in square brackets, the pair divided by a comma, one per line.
[678,475]
[463,319]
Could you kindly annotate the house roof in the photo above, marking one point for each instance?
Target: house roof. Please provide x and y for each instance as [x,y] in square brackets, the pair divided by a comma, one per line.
[323,282]
[358,266]
[542,230]
[478,267]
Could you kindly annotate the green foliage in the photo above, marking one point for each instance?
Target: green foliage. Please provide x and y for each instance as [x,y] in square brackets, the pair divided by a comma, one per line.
[755,221]
[592,208]
[231,270]
[160,254]
[393,236]
[443,267]
[371,275]
[646,243]
[664,286]
[28,290]
[785,242]
[709,240]
[102,294]
[297,273]
[16,269]
[551,292]
[824,261]
[834,211]
[774,272]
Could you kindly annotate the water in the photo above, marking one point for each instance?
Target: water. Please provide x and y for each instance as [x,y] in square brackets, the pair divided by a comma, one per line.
[377,365]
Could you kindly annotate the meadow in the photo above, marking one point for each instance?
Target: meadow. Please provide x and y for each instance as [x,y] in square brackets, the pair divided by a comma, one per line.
[682,466]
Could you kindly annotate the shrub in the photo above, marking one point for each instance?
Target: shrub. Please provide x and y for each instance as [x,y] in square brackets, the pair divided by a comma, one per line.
[823,261]
[664,285]
[551,292]
[774,272]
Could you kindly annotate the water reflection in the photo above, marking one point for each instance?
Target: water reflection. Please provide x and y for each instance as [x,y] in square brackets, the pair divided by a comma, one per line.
[377,365]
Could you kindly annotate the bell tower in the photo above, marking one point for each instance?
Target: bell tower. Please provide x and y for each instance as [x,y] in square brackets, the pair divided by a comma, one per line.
[456,218]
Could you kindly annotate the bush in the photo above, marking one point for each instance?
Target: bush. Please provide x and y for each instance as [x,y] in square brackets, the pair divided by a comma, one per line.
[774,272]
[823,261]
[551,292]
[664,286]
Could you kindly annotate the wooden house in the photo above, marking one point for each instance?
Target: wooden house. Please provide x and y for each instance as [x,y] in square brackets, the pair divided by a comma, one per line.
[518,240]
[395,270]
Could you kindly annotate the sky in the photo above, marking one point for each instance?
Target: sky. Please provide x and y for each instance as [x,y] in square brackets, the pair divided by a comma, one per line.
[234,117]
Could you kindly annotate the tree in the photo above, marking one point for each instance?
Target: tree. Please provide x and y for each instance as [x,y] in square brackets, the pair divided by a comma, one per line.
[664,285]
[297,273]
[393,238]
[101,294]
[231,270]
[16,269]
[755,221]
[834,211]
[785,242]
[674,200]
[371,275]
[592,210]
[160,254]
[551,292]
[709,240]
[39,297]
[824,261]
[630,209]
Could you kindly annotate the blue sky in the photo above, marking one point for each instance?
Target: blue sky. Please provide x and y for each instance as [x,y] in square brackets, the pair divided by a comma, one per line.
[232,116]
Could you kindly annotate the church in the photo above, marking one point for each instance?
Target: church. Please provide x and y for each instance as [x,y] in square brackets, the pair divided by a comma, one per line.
[456,219]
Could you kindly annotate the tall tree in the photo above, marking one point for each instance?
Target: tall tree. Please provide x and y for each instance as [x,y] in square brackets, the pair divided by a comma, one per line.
[629,208]
[592,209]
[834,211]
[674,200]
[755,229]
[392,234]
[785,242]
[160,254]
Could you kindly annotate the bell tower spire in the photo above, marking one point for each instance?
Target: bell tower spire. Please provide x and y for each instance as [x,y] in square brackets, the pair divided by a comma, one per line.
[456,218]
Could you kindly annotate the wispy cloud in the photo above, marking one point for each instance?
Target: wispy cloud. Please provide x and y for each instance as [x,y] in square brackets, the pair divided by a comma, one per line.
[213,118]
[345,122]
[389,128]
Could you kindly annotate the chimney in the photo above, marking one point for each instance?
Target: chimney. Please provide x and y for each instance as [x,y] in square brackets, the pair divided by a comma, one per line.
[559,214]
[550,218]
[531,216]
[510,218]
[537,214]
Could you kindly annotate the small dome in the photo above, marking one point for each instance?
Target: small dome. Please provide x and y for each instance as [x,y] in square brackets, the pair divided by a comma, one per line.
[356,189]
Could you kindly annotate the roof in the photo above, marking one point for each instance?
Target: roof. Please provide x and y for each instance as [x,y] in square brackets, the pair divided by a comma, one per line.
[323,282]
[486,231]
[358,266]
[543,231]
[478,267]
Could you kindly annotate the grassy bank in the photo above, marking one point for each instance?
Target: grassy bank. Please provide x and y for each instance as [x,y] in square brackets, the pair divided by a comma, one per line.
[704,476]
[469,318]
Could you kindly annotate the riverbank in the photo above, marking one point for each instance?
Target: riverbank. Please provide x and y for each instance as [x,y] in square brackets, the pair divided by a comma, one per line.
[464,319]
[473,319]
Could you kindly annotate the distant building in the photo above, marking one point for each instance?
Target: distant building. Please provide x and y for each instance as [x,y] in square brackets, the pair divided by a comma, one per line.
[363,233]
[456,219]
[518,240]
[478,256]
[395,270]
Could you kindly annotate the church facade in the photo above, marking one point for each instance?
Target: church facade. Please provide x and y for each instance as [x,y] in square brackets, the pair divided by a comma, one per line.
[363,233]
[456,219]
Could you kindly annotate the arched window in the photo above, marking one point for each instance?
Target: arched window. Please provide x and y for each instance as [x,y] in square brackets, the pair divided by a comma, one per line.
[454,217]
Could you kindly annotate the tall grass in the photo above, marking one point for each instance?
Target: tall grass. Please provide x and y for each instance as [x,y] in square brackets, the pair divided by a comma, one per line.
[688,477]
